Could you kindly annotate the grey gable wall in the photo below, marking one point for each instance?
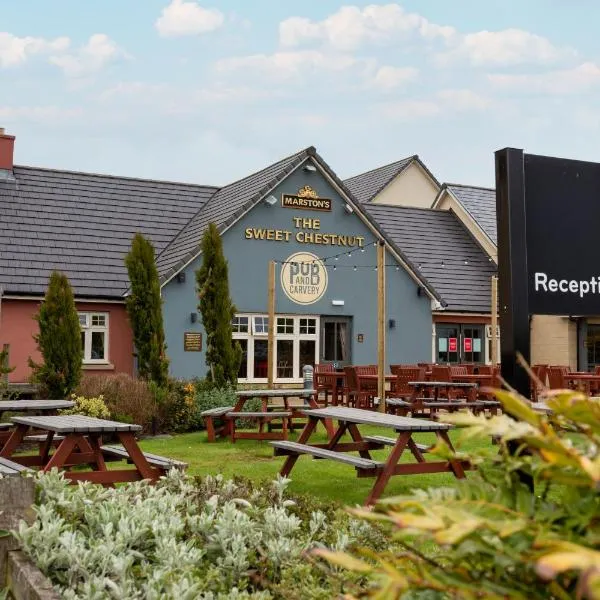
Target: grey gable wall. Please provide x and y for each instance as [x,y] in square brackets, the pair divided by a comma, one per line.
[410,341]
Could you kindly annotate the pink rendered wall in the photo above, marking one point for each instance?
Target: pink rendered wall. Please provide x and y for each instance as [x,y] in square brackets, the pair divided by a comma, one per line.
[17,328]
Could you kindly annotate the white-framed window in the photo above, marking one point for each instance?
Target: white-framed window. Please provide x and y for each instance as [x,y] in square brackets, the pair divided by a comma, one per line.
[94,337]
[296,345]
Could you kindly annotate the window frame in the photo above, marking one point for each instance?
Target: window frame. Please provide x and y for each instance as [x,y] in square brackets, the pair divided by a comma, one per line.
[88,329]
[295,337]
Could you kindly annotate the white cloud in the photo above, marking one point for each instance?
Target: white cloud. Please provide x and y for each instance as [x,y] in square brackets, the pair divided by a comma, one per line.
[181,18]
[351,27]
[567,81]
[410,109]
[463,100]
[389,78]
[284,65]
[39,114]
[99,52]
[504,48]
[15,50]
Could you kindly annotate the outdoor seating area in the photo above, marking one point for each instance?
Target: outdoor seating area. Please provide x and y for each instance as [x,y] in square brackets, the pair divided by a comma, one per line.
[70,442]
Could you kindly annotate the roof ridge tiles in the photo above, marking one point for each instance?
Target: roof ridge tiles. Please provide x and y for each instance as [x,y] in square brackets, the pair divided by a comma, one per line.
[394,162]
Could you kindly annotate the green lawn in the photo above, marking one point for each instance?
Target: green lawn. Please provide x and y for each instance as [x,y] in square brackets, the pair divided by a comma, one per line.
[325,479]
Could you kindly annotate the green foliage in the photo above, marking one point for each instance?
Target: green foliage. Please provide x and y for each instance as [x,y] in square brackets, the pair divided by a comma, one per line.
[5,370]
[128,399]
[91,407]
[144,308]
[204,539]
[223,354]
[177,405]
[491,536]
[58,340]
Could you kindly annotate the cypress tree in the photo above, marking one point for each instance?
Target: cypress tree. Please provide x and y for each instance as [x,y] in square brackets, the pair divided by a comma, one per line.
[5,370]
[223,354]
[144,307]
[58,340]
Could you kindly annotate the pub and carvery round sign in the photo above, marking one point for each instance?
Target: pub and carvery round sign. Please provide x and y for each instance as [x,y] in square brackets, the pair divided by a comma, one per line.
[304,278]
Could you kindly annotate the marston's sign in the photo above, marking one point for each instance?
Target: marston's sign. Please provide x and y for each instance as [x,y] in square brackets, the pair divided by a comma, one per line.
[307,198]
[304,278]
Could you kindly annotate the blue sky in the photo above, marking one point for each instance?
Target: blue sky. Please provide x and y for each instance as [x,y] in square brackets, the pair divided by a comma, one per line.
[209,91]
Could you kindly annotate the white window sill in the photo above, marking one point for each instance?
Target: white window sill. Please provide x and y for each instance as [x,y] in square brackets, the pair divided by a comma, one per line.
[98,367]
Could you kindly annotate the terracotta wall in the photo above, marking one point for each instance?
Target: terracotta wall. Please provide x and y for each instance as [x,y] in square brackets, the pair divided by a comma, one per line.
[17,328]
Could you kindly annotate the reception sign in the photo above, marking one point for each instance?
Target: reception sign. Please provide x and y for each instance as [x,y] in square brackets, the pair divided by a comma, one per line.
[548,210]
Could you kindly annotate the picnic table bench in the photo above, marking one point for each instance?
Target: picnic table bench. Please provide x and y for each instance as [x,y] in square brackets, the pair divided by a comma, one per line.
[417,408]
[81,444]
[10,468]
[348,421]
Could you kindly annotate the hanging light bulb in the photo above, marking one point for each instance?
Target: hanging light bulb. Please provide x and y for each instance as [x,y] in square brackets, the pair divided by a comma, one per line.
[334,267]
[443,264]
[337,257]
[397,268]
[362,249]
[349,254]
[355,268]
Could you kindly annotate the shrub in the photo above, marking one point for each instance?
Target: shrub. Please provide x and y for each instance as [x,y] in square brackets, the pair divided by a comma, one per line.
[177,406]
[129,400]
[492,536]
[205,539]
[58,340]
[90,407]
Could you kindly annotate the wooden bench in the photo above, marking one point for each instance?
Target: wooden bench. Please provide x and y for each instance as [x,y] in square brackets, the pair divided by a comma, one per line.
[388,441]
[161,462]
[8,468]
[406,406]
[262,418]
[5,426]
[217,425]
[285,448]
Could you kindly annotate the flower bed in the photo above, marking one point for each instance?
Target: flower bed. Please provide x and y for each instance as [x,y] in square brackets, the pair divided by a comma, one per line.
[207,538]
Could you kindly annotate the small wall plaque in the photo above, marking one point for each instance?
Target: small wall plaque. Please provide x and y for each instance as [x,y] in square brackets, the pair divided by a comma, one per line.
[360,338]
[192,341]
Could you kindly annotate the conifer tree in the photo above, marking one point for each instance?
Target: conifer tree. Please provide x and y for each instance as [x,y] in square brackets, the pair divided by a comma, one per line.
[5,370]
[144,307]
[223,354]
[58,340]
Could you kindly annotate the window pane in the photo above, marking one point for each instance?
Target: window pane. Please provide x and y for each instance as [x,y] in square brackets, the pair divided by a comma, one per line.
[243,372]
[261,324]
[329,341]
[240,324]
[83,342]
[83,319]
[307,353]
[285,325]
[285,358]
[260,358]
[98,351]
[342,342]
[308,326]
[98,320]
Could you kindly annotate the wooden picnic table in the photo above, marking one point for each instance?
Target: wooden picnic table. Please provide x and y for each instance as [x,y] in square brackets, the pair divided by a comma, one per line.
[48,407]
[81,443]
[421,387]
[349,420]
[337,379]
[267,414]
[587,379]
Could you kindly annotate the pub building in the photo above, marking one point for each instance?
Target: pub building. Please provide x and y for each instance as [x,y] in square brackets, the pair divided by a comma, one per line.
[321,232]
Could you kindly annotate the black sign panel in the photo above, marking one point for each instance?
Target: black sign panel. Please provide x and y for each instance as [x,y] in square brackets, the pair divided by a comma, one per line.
[304,202]
[562,208]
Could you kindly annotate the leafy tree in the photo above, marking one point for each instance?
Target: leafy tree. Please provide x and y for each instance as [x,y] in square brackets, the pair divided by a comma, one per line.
[58,340]
[223,354]
[5,369]
[490,535]
[144,307]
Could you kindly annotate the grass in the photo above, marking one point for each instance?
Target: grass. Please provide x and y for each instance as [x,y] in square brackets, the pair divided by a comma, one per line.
[324,479]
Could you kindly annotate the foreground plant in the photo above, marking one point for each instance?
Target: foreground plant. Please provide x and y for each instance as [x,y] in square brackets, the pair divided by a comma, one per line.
[491,536]
[208,539]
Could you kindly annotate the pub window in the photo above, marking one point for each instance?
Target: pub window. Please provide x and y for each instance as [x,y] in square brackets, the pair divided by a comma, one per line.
[296,345]
[94,337]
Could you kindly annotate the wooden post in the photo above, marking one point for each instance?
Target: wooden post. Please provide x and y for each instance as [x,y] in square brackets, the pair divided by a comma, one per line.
[271,342]
[381,325]
[494,307]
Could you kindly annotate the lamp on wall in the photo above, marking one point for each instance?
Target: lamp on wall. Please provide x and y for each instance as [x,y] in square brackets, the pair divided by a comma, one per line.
[193,317]
[271,200]
[309,168]
[420,291]
[348,209]
[392,323]
[181,277]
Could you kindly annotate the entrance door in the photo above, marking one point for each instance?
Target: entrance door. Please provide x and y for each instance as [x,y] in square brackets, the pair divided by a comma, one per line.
[336,336]
[460,343]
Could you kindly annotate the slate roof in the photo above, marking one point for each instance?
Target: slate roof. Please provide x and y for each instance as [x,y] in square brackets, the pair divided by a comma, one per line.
[366,186]
[82,224]
[439,244]
[224,207]
[480,203]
